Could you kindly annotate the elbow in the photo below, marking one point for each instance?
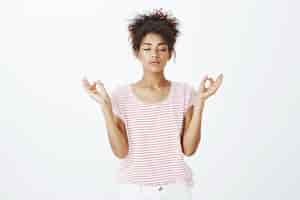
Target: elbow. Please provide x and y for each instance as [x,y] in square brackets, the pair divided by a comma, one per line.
[189,153]
[121,154]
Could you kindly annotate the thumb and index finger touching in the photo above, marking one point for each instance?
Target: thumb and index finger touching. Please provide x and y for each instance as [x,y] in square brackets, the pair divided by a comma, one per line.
[92,87]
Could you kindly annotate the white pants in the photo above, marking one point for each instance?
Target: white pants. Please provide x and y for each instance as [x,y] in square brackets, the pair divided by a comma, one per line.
[175,191]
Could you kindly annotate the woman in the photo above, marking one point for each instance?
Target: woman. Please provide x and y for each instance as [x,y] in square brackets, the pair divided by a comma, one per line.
[153,123]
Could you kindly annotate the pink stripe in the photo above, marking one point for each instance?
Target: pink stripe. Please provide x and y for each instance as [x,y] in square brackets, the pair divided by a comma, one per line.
[153,131]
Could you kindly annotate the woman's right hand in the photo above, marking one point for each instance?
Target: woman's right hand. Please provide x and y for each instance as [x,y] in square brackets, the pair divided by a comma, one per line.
[97,92]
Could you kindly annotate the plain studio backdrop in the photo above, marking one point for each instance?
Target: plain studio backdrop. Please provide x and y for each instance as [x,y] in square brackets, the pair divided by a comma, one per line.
[54,143]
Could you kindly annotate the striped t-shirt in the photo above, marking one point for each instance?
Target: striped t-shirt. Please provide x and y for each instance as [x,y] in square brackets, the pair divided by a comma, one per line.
[155,154]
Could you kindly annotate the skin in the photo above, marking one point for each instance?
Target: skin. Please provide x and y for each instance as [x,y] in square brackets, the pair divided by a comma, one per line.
[116,128]
[153,84]
[191,133]
[153,87]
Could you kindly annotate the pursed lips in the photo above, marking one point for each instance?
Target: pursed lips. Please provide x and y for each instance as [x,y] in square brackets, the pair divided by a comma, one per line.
[154,62]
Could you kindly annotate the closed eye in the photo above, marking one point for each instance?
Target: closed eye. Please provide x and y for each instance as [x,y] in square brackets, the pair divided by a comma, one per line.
[160,49]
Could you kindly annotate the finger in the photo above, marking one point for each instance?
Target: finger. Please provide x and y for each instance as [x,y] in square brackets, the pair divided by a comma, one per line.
[212,85]
[219,80]
[217,84]
[85,83]
[102,89]
[88,87]
[100,85]
[202,83]
[211,82]
[92,88]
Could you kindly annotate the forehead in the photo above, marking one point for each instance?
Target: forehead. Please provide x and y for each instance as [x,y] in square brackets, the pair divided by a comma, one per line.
[153,39]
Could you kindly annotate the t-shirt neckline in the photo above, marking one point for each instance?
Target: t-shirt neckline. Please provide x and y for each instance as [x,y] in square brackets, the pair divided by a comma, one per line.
[165,100]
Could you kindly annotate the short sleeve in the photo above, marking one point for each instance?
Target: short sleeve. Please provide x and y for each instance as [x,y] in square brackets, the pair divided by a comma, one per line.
[189,94]
[114,97]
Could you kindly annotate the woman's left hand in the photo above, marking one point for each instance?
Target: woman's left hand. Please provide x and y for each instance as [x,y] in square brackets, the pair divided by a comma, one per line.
[205,92]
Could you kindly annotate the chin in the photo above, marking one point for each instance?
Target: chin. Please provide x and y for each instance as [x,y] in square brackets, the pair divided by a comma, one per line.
[155,68]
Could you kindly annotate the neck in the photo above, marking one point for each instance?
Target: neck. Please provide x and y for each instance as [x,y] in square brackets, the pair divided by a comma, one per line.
[153,80]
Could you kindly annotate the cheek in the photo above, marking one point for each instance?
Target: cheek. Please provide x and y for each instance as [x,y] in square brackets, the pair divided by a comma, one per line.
[142,57]
[165,58]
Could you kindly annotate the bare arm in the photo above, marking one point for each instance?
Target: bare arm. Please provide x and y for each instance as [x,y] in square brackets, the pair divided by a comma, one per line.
[114,125]
[191,134]
[116,133]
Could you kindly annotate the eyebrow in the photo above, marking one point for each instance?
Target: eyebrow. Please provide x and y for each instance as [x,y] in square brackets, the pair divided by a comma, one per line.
[161,43]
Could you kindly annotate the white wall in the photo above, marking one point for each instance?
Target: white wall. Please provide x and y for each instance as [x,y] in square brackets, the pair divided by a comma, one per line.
[53,141]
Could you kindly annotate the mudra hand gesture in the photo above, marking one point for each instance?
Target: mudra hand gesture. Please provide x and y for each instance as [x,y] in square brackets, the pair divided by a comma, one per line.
[205,92]
[97,92]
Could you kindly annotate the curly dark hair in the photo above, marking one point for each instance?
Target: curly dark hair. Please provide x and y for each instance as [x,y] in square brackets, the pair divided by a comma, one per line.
[157,21]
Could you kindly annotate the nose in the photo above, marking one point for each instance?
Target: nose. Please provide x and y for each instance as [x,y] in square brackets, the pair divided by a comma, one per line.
[154,53]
